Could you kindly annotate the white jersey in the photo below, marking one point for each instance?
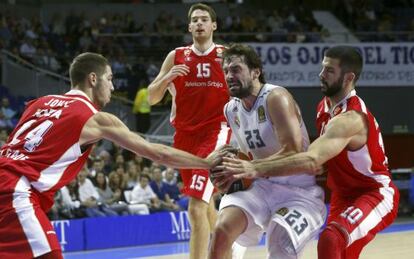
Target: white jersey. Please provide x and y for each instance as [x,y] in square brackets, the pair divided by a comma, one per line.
[255,136]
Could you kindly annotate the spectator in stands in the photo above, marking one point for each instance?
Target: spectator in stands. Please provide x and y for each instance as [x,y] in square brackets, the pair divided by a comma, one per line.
[142,109]
[97,167]
[89,197]
[119,161]
[114,182]
[86,40]
[8,114]
[123,176]
[159,187]
[3,136]
[139,161]
[134,173]
[143,194]
[109,197]
[171,188]
[107,161]
[71,205]
[28,49]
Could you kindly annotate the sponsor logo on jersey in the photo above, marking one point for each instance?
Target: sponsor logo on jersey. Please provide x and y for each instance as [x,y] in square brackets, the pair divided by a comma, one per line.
[261,114]
[237,121]
[282,211]
[187,59]
[219,60]
[215,84]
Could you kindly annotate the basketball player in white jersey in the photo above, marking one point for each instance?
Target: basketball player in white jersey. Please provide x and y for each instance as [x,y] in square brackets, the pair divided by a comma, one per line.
[266,122]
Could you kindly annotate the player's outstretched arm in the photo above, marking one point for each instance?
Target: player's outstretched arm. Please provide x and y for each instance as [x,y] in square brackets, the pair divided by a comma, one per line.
[106,126]
[168,72]
[339,133]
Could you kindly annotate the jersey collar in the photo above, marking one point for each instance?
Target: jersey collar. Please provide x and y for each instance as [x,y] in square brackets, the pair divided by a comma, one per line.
[78,92]
[205,53]
[334,109]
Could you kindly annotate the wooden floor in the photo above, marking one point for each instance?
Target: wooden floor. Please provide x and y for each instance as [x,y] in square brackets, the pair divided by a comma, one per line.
[396,245]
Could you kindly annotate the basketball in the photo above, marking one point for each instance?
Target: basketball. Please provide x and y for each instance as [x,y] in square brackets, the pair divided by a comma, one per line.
[241,184]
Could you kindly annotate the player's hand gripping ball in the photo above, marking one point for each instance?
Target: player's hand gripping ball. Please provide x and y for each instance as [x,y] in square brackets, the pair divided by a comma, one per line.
[234,185]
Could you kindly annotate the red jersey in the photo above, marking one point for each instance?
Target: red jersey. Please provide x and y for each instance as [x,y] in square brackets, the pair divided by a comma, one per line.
[352,173]
[44,146]
[199,97]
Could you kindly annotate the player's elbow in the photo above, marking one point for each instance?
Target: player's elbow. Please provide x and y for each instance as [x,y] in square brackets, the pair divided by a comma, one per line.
[152,101]
[152,98]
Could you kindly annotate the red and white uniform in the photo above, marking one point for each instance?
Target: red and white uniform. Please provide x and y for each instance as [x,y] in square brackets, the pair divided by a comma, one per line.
[41,155]
[197,112]
[364,199]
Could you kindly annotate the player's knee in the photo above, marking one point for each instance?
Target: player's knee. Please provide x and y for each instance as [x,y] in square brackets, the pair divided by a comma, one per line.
[332,242]
[197,210]
[223,233]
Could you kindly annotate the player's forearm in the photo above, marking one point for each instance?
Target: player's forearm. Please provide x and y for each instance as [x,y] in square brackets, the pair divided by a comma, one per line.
[290,165]
[179,159]
[156,91]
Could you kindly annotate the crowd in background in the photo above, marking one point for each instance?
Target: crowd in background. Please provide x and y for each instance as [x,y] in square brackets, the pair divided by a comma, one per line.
[388,21]
[118,182]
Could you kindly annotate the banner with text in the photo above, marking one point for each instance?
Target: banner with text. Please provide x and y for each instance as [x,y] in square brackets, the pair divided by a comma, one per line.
[385,64]
[109,232]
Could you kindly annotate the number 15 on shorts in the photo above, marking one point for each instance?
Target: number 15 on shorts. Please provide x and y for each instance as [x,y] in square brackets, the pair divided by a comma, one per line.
[198,182]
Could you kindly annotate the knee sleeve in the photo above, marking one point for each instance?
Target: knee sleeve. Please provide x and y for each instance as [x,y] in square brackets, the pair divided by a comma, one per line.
[332,243]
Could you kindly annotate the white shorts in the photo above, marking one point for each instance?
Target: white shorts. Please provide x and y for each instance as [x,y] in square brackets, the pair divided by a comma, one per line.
[299,210]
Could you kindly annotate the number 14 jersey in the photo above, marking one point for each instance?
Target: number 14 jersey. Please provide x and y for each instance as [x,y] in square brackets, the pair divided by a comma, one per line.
[44,146]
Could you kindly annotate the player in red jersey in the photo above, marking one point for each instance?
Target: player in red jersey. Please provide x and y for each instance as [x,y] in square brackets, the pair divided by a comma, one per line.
[364,199]
[50,145]
[194,77]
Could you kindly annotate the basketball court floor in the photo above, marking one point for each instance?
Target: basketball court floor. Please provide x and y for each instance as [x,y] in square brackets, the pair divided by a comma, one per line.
[395,242]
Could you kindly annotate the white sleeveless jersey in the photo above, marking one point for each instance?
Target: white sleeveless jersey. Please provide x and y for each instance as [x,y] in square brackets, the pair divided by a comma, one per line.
[255,135]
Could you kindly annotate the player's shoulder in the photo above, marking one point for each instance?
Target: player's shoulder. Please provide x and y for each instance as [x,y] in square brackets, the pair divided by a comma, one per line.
[273,91]
[357,104]
[233,105]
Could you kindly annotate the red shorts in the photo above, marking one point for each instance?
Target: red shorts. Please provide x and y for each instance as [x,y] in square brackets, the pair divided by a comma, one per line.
[196,181]
[25,230]
[363,217]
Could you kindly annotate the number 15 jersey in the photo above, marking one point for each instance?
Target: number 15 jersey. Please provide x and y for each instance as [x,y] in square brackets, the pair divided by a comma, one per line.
[199,97]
